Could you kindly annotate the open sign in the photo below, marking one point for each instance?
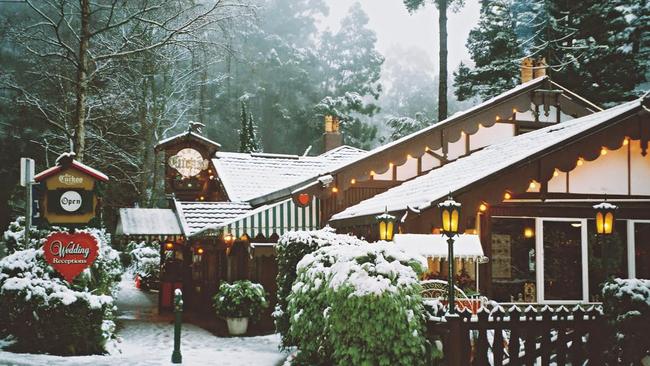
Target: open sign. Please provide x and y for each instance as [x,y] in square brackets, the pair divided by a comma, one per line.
[70,201]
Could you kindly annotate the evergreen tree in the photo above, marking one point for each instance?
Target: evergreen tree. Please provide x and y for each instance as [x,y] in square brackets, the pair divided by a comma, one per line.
[243,131]
[443,6]
[254,144]
[586,44]
[494,49]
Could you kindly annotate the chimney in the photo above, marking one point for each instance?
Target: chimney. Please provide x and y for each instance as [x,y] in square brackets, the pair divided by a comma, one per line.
[540,68]
[526,70]
[332,138]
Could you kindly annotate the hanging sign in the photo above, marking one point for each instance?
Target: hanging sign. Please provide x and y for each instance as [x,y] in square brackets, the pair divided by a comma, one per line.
[188,162]
[69,254]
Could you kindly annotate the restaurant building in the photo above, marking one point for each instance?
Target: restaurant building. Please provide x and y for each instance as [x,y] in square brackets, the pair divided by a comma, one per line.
[527,167]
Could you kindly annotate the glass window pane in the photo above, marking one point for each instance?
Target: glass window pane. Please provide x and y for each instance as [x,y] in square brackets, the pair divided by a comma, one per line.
[607,254]
[513,260]
[562,260]
[642,249]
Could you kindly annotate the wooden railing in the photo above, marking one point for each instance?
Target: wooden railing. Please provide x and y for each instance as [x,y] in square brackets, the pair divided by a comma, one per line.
[521,337]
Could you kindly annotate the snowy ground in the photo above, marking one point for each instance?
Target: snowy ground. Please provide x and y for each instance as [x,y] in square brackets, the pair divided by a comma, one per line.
[144,338]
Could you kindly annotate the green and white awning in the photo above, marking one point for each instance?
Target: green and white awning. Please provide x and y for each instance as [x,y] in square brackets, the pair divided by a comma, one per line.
[276,218]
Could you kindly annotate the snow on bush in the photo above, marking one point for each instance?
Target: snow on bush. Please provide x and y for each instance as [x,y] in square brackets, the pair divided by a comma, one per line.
[241,299]
[626,305]
[358,305]
[43,313]
[145,263]
[291,248]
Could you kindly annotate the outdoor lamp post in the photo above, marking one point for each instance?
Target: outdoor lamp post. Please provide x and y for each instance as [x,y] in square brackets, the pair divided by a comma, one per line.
[604,227]
[228,239]
[450,215]
[386,225]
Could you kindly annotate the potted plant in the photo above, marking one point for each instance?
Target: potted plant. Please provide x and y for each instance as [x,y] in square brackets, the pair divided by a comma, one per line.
[239,301]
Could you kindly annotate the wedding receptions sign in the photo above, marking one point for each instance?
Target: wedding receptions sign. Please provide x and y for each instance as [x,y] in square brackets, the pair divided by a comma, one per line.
[69,254]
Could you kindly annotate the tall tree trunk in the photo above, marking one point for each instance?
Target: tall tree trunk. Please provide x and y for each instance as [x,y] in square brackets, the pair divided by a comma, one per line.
[82,82]
[442,82]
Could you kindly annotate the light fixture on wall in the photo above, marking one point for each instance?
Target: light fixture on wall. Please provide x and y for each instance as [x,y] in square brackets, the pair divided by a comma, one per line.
[605,217]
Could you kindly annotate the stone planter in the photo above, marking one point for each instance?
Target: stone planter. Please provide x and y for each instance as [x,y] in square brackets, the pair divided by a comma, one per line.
[237,326]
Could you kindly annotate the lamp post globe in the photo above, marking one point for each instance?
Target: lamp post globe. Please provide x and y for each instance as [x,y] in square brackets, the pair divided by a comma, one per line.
[450,218]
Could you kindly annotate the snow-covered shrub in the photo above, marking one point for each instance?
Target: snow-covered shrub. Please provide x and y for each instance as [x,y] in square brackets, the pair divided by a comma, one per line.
[626,305]
[145,263]
[44,313]
[13,238]
[291,248]
[241,299]
[358,305]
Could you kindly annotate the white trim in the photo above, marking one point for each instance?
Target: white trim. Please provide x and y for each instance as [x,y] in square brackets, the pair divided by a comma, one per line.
[631,246]
[631,260]
[539,256]
[523,200]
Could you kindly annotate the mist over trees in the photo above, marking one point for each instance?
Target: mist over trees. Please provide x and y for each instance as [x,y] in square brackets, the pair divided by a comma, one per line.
[108,79]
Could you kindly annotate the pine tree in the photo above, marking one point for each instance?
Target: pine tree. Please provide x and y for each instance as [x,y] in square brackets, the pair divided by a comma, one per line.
[443,6]
[253,139]
[493,47]
[243,131]
[585,44]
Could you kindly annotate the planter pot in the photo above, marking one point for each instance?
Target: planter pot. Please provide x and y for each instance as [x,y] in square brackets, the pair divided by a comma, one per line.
[237,326]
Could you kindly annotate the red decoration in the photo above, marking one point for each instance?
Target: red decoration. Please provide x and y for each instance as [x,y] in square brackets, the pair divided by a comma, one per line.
[69,254]
[304,199]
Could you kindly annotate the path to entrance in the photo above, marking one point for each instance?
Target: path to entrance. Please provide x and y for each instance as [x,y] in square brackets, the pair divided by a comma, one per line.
[144,338]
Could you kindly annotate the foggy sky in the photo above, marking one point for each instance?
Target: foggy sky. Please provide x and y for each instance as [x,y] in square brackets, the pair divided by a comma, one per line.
[395,26]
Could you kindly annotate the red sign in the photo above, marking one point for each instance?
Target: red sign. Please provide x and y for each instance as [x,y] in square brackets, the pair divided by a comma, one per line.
[304,199]
[69,254]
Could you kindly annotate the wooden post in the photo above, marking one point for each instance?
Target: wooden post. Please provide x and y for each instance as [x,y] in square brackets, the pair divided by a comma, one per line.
[453,350]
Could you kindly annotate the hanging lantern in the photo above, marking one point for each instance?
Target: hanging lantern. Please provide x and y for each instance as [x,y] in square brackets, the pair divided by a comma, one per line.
[605,217]
[450,215]
[386,225]
[199,251]
[169,245]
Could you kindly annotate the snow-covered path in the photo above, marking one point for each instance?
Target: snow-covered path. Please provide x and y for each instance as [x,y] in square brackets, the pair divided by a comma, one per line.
[144,338]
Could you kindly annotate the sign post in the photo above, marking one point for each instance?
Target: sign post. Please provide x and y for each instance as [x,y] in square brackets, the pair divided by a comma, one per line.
[178,311]
[26,179]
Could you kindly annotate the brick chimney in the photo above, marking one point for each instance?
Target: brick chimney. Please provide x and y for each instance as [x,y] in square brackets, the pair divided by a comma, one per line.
[532,68]
[332,137]
[526,70]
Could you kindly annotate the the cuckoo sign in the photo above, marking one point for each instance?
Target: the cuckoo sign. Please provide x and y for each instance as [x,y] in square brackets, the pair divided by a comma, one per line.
[188,162]
[71,195]
[69,254]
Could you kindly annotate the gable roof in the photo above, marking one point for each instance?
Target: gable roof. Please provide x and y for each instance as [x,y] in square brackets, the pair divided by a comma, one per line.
[73,164]
[519,97]
[246,176]
[188,136]
[419,193]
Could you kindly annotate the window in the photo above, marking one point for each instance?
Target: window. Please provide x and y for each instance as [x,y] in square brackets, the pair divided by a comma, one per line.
[562,248]
[607,255]
[513,259]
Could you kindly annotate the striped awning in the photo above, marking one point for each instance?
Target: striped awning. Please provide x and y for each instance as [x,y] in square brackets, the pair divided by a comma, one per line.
[276,218]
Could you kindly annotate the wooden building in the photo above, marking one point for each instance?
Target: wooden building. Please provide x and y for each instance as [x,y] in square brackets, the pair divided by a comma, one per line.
[527,166]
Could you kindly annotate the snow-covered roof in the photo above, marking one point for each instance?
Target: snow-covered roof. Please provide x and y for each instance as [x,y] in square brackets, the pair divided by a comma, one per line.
[248,176]
[498,105]
[466,246]
[195,216]
[147,221]
[420,192]
[187,134]
[74,165]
